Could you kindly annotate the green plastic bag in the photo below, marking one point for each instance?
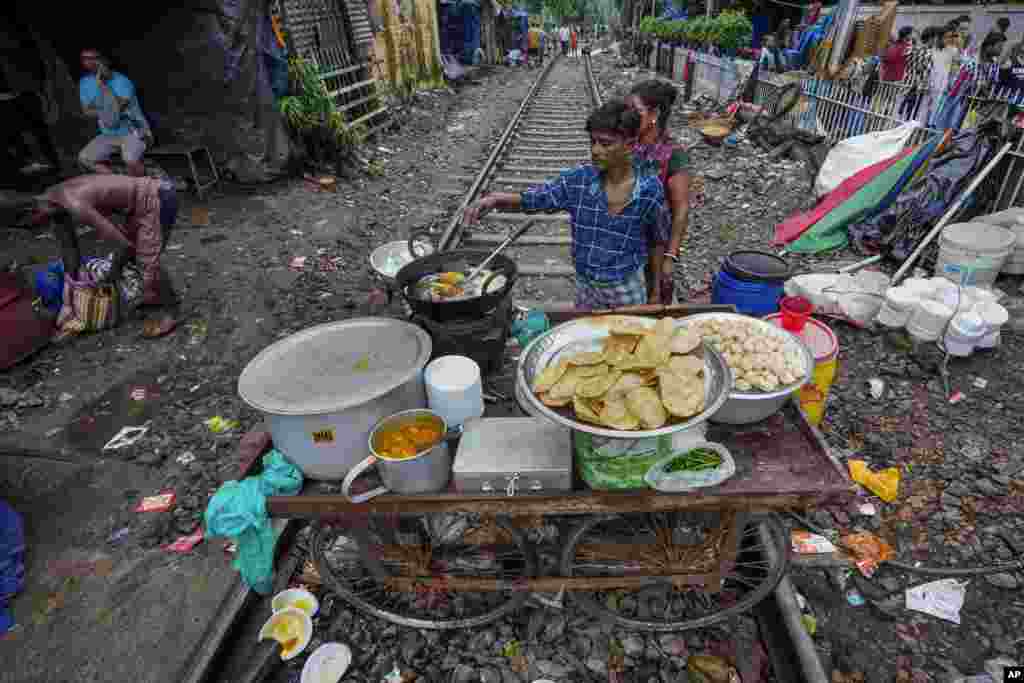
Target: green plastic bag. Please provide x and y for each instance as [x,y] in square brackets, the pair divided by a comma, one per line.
[238,510]
[620,464]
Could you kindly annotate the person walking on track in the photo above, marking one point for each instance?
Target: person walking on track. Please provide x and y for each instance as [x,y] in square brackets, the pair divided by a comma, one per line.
[616,215]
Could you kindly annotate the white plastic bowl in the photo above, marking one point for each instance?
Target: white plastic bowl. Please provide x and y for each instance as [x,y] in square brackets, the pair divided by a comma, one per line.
[327,664]
[292,598]
[305,629]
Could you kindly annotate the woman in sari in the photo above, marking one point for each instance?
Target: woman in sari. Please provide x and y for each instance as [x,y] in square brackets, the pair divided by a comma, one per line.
[656,153]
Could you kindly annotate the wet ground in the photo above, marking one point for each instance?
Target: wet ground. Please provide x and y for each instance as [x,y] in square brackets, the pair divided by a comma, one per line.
[99,577]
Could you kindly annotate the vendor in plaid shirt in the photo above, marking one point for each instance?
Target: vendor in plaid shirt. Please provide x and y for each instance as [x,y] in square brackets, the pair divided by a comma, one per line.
[618,218]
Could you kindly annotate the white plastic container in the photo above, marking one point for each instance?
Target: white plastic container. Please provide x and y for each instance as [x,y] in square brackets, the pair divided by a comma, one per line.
[973,253]
[1012,219]
[898,306]
[995,316]
[952,295]
[921,287]
[963,334]
[454,389]
[1015,264]
[928,320]
[327,664]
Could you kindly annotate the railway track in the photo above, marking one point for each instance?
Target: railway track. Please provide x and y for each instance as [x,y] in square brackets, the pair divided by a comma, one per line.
[545,136]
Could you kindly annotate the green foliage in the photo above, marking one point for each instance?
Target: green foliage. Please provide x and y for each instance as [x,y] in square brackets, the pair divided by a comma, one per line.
[561,8]
[729,30]
[311,113]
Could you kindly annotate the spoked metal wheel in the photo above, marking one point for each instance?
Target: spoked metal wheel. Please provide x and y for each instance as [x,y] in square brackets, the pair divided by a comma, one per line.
[438,571]
[681,553]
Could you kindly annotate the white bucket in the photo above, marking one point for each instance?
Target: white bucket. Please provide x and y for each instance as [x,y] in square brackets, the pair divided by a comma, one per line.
[973,253]
[928,320]
[952,295]
[1015,263]
[454,389]
[995,316]
[963,334]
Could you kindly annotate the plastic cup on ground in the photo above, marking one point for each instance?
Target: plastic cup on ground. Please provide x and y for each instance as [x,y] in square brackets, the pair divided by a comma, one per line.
[796,310]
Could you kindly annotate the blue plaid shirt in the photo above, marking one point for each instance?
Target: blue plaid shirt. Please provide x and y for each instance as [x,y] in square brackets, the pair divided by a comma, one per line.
[605,247]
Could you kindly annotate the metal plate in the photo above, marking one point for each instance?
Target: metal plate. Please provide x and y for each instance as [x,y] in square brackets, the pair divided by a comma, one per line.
[769,328]
[587,334]
[330,367]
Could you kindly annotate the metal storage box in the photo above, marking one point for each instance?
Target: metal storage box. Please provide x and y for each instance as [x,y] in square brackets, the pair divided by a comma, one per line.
[512,456]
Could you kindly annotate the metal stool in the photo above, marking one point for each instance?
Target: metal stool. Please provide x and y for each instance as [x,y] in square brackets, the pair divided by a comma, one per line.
[187,151]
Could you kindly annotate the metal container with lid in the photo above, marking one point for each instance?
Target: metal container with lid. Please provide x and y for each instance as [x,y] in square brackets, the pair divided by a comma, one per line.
[511,456]
[324,388]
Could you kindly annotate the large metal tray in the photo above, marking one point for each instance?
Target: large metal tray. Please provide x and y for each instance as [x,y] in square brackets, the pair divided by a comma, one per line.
[586,334]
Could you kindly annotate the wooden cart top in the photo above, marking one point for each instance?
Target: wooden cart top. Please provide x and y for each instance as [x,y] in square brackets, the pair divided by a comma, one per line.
[781,462]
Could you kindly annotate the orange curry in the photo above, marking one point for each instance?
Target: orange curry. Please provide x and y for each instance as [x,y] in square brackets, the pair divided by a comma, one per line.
[406,440]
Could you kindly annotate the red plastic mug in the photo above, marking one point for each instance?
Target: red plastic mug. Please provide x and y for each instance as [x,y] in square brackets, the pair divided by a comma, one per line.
[795,312]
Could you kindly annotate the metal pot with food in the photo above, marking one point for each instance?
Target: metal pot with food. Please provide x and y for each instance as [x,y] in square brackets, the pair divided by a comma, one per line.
[411,453]
[462,283]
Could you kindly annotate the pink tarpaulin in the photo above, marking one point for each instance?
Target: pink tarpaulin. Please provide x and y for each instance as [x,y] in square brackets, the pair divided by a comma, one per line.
[797,224]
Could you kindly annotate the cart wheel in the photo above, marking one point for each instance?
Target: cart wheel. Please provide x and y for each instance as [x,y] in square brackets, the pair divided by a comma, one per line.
[603,546]
[395,567]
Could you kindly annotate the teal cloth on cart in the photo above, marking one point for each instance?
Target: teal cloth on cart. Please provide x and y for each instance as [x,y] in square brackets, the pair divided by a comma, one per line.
[238,510]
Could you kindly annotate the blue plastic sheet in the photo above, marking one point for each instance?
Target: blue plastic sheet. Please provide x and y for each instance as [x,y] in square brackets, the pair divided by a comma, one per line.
[238,510]
[12,561]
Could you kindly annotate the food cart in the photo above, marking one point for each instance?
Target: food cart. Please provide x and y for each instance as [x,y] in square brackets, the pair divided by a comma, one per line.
[643,559]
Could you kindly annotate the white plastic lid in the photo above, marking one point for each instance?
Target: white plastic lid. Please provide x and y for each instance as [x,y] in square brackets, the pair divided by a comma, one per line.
[901,297]
[452,373]
[330,367]
[978,237]
[968,324]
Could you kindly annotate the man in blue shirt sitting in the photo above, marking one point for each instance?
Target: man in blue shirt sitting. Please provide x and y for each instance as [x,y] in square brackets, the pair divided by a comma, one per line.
[618,218]
[110,97]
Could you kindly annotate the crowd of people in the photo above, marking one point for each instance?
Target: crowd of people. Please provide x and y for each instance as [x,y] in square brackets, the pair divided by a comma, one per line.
[628,208]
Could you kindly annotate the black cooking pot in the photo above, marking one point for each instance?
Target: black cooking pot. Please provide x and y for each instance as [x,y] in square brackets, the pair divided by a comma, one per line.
[458,260]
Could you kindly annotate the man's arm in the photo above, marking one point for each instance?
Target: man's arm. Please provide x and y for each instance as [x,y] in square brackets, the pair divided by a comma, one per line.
[551,196]
[86,213]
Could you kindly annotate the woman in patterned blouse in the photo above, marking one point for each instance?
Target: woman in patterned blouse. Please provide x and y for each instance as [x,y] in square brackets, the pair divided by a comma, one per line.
[656,153]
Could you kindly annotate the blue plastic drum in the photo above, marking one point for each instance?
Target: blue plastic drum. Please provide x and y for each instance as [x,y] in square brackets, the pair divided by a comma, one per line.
[752,281]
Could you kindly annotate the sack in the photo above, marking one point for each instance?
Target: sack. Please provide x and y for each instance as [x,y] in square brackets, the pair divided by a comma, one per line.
[88,306]
[129,286]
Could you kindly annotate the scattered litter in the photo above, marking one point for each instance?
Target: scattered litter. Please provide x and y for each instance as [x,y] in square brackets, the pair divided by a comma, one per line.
[159,503]
[321,222]
[65,397]
[942,599]
[138,394]
[297,233]
[175,247]
[807,543]
[869,551]
[219,425]
[810,624]
[53,432]
[231,548]
[119,534]
[212,239]
[198,329]
[854,598]
[867,509]
[710,669]
[997,668]
[877,388]
[956,397]
[200,215]
[128,436]
[297,263]
[385,150]
[186,457]
[980,382]
[885,483]
[185,544]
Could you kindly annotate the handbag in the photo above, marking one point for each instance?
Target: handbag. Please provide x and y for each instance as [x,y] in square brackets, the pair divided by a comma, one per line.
[89,306]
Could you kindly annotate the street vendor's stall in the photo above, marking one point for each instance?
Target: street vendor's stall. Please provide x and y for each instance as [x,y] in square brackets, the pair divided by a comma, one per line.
[464,553]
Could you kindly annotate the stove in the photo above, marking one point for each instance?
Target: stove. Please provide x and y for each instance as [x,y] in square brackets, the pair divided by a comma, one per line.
[481,338]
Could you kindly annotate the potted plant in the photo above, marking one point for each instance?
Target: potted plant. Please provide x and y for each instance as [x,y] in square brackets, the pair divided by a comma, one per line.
[732,32]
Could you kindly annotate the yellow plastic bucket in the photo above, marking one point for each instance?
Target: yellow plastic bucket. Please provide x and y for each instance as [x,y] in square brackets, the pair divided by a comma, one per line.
[824,344]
